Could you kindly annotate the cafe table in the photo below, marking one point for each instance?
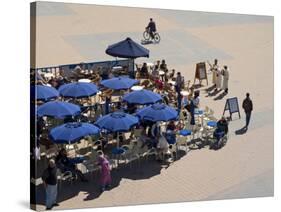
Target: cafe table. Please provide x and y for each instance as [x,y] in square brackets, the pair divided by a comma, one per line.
[184,93]
[84,80]
[136,88]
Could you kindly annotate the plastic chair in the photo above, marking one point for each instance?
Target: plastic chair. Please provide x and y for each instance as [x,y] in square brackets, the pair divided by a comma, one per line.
[150,152]
[181,141]
[64,177]
[131,153]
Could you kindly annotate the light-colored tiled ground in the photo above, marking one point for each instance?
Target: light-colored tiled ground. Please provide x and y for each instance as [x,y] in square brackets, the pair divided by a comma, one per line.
[244,167]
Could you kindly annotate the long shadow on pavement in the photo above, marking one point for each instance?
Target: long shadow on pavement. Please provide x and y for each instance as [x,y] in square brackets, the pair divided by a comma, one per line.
[219,97]
[241,131]
[136,171]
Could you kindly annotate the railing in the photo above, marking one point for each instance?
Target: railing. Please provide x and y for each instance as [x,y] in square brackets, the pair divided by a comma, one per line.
[89,66]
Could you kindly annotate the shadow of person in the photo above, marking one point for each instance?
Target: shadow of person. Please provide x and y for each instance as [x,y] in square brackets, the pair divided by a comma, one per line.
[241,131]
[219,97]
[210,88]
[196,86]
[214,93]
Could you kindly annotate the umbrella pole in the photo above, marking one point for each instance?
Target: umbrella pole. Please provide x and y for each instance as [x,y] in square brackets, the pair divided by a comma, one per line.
[91,108]
[118,156]
[134,69]
[117,139]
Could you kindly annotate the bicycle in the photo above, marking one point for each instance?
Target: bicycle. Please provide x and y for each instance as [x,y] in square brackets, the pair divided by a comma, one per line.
[147,37]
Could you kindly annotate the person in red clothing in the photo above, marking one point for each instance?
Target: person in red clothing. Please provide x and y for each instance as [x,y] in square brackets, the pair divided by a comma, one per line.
[105,175]
[158,83]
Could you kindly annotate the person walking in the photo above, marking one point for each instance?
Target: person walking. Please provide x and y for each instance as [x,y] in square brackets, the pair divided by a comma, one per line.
[50,180]
[248,108]
[225,74]
[105,177]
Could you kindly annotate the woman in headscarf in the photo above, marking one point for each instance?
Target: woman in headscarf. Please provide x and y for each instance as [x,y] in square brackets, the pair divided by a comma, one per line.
[105,177]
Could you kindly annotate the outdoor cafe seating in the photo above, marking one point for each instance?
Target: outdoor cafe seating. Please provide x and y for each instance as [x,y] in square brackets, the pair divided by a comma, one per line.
[149,101]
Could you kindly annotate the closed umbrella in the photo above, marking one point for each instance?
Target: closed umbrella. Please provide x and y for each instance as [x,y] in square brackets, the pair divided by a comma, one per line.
[142,97]
[44,93]
[72,132]
[58,109]
[157,112]
[78,90]
[119,83]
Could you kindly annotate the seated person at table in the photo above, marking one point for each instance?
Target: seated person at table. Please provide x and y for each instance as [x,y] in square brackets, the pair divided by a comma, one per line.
[65,164]
[96,79]
[144,71]
[53,82]
[105,72]
[196,99]
[220,131]
[170,137]
[156,130]
[170,132]
[61,80]
[171,126]
[155,72]
[147,141]
[162,147]
[172,74]
[158,83]
[78,72]
[131,108]
[185,101]
[165,99]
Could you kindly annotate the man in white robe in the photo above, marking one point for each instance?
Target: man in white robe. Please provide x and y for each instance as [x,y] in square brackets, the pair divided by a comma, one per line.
[214,67]
[218,79]
[225,74]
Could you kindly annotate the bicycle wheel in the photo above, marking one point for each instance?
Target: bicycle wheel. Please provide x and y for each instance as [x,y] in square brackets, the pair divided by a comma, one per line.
[146,35]
[157,38]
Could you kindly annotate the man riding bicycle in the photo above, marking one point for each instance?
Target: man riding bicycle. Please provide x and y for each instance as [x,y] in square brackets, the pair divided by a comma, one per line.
[151,28]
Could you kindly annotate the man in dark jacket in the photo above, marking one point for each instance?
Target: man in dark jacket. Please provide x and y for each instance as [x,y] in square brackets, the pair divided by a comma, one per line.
[248,107]
[50,179]
[151,27]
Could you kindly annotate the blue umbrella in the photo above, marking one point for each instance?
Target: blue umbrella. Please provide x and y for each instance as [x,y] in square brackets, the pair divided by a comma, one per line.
[119,83]
[72,132]
[117,122]
[58,109]
[45,93]
[78,89]
[127,49]
[158,112]
[142,97]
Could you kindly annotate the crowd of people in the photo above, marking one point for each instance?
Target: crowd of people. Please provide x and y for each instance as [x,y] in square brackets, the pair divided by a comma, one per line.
[167,82]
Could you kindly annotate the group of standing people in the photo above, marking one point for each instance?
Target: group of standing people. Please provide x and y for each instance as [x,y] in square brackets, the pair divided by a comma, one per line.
[220,77]
[62,164]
